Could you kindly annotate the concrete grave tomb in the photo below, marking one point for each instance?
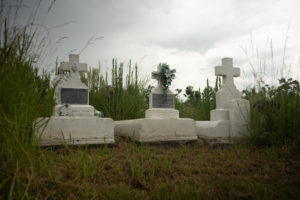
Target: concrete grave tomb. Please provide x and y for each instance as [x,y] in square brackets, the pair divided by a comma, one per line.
[74,120]
[162,122]
[230,118]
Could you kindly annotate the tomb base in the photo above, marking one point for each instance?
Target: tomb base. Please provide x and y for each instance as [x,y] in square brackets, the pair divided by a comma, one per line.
[157,130]
[239,116]
[214,132]
[213,129]
[77,110]
[75,130]
[226,125]
[162,113]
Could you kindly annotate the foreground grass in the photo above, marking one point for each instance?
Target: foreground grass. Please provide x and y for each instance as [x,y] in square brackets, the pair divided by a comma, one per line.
[133,171]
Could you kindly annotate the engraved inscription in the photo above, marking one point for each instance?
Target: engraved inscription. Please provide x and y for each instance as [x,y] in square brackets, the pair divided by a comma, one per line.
[163,101]
[74,96]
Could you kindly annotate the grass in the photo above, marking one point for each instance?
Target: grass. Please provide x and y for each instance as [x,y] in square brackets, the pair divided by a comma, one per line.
[121,99]
[133,171]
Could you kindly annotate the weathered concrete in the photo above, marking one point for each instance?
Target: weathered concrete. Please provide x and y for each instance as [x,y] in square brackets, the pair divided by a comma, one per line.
[157,130]
[75,131]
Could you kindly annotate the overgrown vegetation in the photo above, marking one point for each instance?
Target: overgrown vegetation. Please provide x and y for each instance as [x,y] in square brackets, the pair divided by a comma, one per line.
[198,104]
[122,99]
[132,171]
[275,114]
[25,96]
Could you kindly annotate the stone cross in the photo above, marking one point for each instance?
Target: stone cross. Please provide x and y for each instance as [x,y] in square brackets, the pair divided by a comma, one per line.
[227,71]
[157,75]
[73,62]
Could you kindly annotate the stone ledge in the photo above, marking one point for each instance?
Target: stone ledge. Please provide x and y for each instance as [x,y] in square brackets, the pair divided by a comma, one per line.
[77,110]
[213,129]
[79,141]
[75,130]
[162,113]
[157,130]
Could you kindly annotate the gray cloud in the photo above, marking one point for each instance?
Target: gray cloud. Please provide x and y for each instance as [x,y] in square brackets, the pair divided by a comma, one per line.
[192,33]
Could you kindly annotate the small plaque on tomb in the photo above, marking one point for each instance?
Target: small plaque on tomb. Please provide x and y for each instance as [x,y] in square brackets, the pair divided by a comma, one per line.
[74,96]
[163,101]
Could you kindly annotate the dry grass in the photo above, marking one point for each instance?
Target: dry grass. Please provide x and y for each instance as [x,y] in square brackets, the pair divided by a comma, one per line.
[190,171]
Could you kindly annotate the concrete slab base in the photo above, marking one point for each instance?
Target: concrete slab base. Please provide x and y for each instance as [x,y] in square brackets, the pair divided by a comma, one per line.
[216,131]
[239,116]
[157,130]
[75,130]
[163,113]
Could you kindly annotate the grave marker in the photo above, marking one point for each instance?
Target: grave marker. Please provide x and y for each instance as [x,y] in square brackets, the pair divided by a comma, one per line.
[162,122]
[230,118]
[228,89]
[67,66]
[72,91]
[75,122]
[157,98]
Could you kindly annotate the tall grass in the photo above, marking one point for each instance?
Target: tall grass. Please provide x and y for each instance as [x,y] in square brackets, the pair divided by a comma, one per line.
[121,99]
[275,114]
[25,95]
[274,98]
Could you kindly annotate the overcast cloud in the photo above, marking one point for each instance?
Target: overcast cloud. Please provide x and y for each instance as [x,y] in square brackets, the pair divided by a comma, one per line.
[191,36]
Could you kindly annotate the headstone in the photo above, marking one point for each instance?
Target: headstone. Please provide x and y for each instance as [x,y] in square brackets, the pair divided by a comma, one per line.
[228,90]
[72,90]
[75,122]
[230,118]
[158,99]
[161,104]
[162,122]
[67,66]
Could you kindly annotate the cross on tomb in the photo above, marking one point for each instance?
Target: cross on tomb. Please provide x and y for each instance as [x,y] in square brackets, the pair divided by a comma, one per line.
[157,75]
[227,71]
[73,62]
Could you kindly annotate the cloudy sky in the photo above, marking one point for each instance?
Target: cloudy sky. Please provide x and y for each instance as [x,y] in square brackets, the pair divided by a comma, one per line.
[190,35]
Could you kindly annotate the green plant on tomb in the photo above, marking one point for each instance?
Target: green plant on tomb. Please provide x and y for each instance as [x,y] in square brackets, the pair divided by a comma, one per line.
[167,75]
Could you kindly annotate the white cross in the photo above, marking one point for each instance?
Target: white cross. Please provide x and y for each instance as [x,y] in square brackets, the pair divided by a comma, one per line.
[157,75]
[73,60]
[227,71]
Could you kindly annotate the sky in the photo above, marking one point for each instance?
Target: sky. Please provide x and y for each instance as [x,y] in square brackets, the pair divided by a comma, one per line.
[192,36]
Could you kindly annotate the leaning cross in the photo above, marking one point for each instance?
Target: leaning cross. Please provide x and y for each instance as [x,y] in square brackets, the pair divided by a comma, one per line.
[73,61]
[157,75]
[227,71]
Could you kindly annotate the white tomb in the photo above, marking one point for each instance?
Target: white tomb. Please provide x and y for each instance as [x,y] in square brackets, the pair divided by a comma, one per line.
[232,114]
[162,122]
[75,122]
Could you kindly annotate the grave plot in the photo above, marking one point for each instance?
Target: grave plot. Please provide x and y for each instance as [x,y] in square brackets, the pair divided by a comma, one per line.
[232,114]
[162,122]
[75,122]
